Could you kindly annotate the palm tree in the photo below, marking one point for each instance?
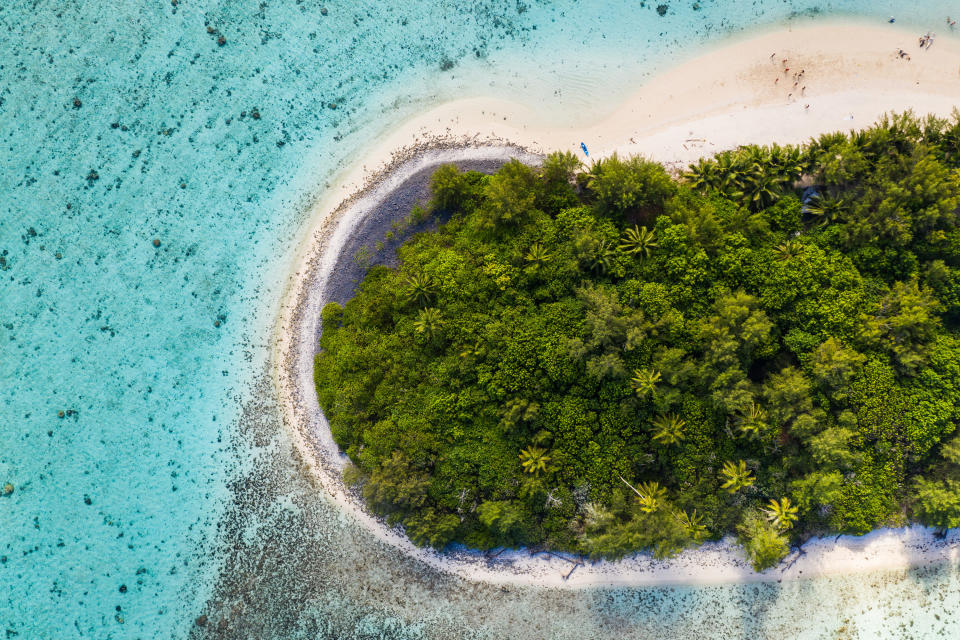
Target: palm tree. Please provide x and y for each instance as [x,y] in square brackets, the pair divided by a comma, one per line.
[594,174]
[603,257]
[730,176]
[645,381]
[668,429]
[736,476]
[638,241]
[788,162]
[789,250]
[753,421]
[427,322]
[534,459]
[421,289]
[537,256]
[760,187]
[702,175]
[781,513]
[650,496]
[478,349]
[692,523]
[826,208]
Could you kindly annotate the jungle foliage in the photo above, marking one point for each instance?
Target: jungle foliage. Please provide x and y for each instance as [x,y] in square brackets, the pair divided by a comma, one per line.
[611,359]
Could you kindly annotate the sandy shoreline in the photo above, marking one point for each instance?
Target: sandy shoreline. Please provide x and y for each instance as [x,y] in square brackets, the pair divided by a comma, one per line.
[725,98]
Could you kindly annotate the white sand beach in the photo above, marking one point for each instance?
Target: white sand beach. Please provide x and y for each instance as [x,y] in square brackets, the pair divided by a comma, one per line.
[736,94]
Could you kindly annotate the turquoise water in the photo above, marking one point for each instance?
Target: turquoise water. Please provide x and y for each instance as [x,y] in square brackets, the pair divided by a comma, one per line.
[125,123]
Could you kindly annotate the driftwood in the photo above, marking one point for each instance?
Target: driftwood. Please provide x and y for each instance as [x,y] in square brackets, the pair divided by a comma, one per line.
[576,562]
[800,553]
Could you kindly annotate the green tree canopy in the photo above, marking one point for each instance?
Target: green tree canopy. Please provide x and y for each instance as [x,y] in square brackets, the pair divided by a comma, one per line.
[607,360]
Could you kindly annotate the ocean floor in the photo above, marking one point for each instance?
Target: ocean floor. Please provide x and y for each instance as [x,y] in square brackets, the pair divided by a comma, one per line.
[160,163]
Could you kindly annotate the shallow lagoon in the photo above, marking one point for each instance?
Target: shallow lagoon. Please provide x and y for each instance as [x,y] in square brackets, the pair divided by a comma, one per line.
[167,489]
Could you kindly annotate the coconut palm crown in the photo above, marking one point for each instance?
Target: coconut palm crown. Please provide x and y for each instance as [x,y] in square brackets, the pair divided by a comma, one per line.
[534,459]
[736,476]
[644,382]
[781,513]
[668,429]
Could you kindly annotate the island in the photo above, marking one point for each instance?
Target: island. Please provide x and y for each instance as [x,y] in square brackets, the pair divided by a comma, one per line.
[611,359]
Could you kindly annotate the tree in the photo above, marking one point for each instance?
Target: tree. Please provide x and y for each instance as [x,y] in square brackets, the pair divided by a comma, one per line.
[503,517]
[611,535]
[761,187]
[789,250]
[638,241]
[834,365]
[904,322]
[825,209]
[781,513]
[396,486]
[557,173]
[534,460]
[421,289]
[651,496]
[788,400]
[668,429]
[537,256]
[693,525]
[560,167]
[703,175]
[937,502]
[764,545]
[731,338]
[936,499]
[508,197]
[644,382]
[427,322]
[630,186]
[454,190]
[736,476]
[753,421]
[602,257]
[833,448]
[432,527]
[817,490]
[737,330]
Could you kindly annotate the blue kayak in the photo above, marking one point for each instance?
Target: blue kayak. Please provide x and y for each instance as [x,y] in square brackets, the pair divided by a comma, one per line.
[584,147]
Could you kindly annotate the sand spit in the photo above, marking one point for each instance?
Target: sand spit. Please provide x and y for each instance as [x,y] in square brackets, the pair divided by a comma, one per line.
[735,95]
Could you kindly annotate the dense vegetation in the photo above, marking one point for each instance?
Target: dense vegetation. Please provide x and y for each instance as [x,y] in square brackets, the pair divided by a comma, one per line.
[614,360]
